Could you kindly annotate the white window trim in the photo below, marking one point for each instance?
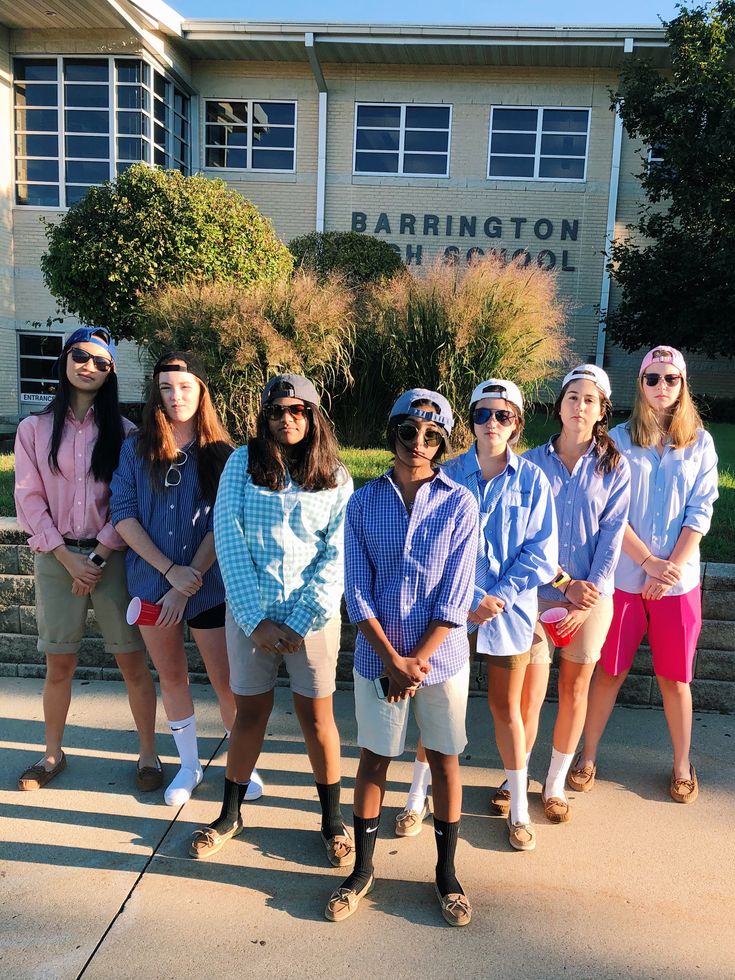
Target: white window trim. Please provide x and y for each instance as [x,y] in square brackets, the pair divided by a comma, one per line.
[539,109]
[401,140]
[249,147]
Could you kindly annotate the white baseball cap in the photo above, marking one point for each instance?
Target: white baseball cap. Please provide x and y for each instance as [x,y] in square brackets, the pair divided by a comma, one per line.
[498,388]
[589,372]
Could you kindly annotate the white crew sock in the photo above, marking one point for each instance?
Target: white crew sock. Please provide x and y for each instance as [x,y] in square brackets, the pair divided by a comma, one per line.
[517,780]
[558,769]
[504,784]
[190,774]
[419,786]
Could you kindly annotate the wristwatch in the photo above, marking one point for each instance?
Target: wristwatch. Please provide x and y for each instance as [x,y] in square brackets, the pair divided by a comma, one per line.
[96,559]
[561,580]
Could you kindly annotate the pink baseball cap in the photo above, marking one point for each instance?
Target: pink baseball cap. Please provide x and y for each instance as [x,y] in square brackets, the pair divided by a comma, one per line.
[664,355]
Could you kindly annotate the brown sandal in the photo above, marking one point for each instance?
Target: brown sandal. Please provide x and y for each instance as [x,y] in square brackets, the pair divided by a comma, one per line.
[37,776]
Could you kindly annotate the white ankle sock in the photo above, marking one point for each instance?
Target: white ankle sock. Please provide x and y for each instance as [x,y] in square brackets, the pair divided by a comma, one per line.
[255,787]
[558,769]
[419,786]
[517,780]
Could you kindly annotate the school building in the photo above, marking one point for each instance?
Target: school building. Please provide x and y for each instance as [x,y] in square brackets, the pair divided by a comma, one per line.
[441,140]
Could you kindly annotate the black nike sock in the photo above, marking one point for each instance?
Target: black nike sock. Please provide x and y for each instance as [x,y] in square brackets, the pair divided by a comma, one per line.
[232,797]
[446,835]
[366,832]
[332,822]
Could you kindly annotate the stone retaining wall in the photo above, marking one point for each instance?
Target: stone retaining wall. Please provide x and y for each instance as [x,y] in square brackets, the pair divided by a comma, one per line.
[713,687]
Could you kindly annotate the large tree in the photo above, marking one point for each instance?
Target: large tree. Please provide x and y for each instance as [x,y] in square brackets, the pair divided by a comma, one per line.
[675,265]
[148,229]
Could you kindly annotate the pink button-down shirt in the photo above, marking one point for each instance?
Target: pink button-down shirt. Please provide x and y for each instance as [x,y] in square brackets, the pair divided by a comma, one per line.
[68,504]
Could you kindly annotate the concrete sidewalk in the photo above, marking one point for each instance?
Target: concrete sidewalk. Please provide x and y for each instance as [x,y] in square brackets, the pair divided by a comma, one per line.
[95,879]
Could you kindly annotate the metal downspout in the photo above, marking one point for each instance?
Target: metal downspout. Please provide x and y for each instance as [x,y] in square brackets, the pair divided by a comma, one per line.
[321,160]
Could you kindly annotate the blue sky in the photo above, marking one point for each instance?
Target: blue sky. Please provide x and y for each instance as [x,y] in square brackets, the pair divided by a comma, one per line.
[483,12]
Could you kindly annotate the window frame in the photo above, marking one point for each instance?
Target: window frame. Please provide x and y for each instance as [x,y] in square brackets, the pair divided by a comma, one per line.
[538,156]
[402,139]
[249,169]
[30,398]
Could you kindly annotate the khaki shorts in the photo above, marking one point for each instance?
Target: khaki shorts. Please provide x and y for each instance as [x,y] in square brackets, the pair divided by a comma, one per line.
[439,710]
[62,616]
[586,643]
[512,662]
[312,669]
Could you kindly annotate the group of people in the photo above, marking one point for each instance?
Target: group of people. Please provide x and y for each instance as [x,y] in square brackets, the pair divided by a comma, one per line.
[438,559]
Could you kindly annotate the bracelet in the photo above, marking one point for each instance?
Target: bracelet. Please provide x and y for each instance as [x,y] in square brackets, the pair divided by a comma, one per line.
[566,589]
[169,569]
[649,555]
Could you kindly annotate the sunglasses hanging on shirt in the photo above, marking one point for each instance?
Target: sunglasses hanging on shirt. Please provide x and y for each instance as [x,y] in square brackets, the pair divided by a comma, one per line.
[173,473]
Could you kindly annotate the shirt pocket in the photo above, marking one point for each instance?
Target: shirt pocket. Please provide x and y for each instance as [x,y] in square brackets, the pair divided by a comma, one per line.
[516,514]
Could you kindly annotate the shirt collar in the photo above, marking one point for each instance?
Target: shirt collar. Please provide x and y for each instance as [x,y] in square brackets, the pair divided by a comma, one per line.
[551,448]
[439,474]
[71,417]
[472,463]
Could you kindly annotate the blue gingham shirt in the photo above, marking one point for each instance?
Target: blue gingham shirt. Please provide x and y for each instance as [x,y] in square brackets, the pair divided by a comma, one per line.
[517,550]
[176,519]
[668,492]
[409,570]
[281,551]
[591,512]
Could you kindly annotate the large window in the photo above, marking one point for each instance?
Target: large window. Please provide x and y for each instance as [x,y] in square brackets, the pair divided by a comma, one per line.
[538,143]
[37,354]
[250,135]
[81,121]
[408,140]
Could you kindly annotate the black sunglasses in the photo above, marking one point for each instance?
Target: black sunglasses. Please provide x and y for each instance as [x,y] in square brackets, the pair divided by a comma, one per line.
[482,415]
[80,356]
[275,412]
[409,433]
[652,379]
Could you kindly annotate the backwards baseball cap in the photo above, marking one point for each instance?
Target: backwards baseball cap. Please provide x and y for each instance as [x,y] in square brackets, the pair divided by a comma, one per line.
[405,405]
[589,372]
[92,335]
[498,388]
[290,386]
[190,363]
[664,355]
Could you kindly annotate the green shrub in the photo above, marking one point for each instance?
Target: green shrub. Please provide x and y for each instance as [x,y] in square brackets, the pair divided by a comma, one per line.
[358,258]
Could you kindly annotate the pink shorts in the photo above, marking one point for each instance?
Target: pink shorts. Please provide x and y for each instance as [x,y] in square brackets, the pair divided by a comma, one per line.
[673,625]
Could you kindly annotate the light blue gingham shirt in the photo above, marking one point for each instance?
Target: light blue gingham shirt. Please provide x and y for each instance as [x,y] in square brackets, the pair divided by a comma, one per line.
[668,492]
[409,570]
[517,550]
[591,513]
[280,551]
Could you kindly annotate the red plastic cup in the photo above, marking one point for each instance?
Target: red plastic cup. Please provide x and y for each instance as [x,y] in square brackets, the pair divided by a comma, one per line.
[142,613]
[550,619]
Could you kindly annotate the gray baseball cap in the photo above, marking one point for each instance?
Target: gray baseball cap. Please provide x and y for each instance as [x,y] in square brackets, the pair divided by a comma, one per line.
[404,406]
[290,386]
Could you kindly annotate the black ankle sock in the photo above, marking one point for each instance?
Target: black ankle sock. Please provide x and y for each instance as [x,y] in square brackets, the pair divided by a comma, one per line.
[446,835]
[366,832]
[332,822]
[232,797]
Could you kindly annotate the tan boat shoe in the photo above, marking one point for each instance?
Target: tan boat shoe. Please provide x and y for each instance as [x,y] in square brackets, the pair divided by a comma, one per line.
[581,778]
[684,790]
[340,849]
[208,841]
[500,802]
[37,776]
[455,907]
[343,902]
[555,808]
[522,836]
[410,822]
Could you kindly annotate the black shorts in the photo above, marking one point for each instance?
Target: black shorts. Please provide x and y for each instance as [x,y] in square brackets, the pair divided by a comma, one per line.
[210,619]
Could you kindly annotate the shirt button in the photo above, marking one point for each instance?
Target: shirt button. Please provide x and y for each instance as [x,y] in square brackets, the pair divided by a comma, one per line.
[170,533]
[171,506]
[79,503]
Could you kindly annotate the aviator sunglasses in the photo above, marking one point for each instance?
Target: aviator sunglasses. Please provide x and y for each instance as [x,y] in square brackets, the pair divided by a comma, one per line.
[80,356]
[409,433]
[276,412]
[482,415]
[653,379]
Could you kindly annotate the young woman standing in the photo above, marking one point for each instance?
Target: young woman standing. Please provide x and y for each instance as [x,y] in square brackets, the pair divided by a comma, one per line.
[279,526]
[162,504]
[673,468]
[590,482]
[64,460]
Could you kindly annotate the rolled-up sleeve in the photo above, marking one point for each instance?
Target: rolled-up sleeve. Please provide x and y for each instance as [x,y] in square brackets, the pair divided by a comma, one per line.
[613,521]
[124,496]
[455,595]
[359,572]
[31,504]
[700,502]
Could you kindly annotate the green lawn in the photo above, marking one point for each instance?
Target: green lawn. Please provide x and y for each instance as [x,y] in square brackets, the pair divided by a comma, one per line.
[364,464]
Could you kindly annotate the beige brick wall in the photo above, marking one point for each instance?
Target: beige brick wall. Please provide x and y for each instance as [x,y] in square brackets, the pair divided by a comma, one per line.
[8,385]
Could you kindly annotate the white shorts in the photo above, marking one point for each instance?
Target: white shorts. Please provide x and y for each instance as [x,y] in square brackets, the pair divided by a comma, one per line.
[439,709]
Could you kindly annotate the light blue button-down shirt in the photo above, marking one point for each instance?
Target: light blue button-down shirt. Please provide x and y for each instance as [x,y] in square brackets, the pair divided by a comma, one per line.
[591,512]
[668,492]
[517,546]
[280,551]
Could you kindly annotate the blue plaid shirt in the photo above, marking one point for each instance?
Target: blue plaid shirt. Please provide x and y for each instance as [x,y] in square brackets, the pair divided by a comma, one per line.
[280,551]
[406,571]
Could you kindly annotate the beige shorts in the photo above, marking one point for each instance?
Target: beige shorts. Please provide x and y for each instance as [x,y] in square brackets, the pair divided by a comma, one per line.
[312,669]
[439,710]
[62,616]
[586,643]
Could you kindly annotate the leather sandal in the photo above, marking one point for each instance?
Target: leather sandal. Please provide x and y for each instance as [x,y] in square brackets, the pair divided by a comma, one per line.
[555,808]
[37,776]
[208,841]
[521,836]
[340,849]
[149,778]
[684,790]
[455,907]
[343,902]
[581,778]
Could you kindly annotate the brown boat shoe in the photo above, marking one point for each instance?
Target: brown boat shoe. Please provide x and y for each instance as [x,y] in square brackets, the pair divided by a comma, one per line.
[555,808]
[37,776]
[684,790]
[581,778]
[149,778]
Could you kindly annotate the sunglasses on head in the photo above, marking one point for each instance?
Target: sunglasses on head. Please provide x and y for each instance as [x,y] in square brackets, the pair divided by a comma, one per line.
[409,433]
[275,412]
[80,356]
[653,379]
[482,415]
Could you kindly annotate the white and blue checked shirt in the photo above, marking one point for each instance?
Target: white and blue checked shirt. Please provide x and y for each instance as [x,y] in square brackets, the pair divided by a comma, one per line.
[407,571]
[280,551]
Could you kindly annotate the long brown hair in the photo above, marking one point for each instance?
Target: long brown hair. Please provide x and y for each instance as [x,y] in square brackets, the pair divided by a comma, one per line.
[645,429]
[313,463]
[608,456]
[156,444]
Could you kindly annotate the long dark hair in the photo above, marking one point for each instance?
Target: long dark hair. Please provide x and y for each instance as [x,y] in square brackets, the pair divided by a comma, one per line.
[107,417]
[608,456]
[157,446]
[313,463]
